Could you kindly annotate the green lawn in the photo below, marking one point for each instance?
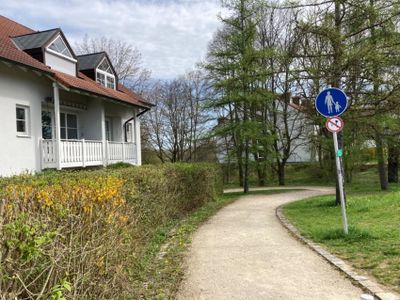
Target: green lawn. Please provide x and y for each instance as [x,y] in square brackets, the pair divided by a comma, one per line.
[311,174]
[373,243]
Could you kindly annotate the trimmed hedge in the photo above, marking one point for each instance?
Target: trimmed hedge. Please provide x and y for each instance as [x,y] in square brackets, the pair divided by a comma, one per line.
[76,235]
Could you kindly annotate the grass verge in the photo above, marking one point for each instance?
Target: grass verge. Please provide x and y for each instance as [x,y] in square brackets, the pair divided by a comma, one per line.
[373,243]
[160,270]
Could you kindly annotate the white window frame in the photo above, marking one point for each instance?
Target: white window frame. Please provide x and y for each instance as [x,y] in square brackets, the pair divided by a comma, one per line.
[106,75]
[129,132]
[108,82]
[110,128]
[53,127]
[58,53]
[98,80]
[27,131]
[66,125]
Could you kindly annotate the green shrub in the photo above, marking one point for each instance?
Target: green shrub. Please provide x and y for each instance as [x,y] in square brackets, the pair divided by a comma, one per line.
[75,235]
[119,165]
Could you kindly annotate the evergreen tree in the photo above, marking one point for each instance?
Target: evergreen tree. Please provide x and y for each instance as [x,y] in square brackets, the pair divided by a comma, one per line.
[234,64]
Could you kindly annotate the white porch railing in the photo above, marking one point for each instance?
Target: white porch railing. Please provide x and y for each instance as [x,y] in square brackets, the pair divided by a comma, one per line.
[83,153]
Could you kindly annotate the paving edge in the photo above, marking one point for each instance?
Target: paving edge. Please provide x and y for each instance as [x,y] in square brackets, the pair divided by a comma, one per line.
[366,283]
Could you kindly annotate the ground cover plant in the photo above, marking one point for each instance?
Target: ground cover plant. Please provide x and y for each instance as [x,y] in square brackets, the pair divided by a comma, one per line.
[373,243]
[78,235]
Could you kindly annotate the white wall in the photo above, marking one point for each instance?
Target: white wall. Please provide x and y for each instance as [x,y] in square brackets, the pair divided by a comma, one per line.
[18,87]
[59,63]
[119,114]
[138,141]
[90,121]
[299,127]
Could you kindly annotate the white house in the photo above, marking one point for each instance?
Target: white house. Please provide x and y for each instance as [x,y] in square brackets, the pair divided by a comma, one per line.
[293,129]
[59,110]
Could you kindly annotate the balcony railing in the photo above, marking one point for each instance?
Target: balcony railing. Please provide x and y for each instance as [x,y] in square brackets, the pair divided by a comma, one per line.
[84,153]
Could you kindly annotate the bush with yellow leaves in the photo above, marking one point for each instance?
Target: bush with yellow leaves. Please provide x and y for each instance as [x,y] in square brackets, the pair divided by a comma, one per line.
[76,235]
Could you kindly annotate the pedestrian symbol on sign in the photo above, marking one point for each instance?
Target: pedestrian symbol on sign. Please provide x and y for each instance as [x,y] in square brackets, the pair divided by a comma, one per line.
[331,102]
[337,106]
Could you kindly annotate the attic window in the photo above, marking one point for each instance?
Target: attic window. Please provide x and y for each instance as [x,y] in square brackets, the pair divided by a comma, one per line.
[104,74]
[105,66]
[59,46]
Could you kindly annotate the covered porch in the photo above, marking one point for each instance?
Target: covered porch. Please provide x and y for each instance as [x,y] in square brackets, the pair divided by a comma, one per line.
[79,130]
[86,153]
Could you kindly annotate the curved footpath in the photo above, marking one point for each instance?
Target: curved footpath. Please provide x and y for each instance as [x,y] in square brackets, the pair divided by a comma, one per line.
[243,252]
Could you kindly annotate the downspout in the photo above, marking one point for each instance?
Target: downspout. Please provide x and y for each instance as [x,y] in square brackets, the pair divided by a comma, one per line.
[142,112]
[127,121]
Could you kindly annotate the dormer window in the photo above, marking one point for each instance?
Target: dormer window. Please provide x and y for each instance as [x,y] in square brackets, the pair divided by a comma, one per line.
[104,74]
[51,48]
[59,46]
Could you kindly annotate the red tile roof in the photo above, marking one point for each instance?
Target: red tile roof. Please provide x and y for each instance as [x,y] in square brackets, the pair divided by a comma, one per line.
[9,52]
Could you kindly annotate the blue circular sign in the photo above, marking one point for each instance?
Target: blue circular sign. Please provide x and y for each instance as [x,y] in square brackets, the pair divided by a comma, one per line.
[331,102]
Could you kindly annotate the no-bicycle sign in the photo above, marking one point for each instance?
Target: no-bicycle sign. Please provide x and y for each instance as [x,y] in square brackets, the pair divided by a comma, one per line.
[334,124]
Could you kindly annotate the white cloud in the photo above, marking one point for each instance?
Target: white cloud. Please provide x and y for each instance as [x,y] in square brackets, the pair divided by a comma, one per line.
[172,35]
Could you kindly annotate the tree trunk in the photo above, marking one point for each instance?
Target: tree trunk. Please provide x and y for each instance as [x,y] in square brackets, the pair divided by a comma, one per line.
[239,157]
[381,161]
[262,173]
[393,164]
[240,166]
[281,173]
[246,167]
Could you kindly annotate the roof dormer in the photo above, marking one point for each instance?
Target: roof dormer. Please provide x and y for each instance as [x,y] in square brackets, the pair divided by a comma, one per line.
[98,67]
[58,46]
[49,47]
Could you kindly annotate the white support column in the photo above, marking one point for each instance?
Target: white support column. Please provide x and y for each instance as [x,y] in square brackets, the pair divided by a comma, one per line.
[57,132]
[123,151]
[41,154]
[137,140]
[103,135]
[83,153]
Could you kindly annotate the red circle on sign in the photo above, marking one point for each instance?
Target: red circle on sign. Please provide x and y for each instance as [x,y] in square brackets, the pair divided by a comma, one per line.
[334,124]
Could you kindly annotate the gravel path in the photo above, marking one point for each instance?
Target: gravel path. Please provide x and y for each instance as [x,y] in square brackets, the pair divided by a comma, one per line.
[243,252]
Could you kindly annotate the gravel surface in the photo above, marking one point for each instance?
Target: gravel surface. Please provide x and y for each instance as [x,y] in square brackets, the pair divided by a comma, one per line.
[243,252]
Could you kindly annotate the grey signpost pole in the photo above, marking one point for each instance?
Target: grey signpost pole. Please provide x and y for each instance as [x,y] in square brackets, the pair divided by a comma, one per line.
[331,103]
[340,181]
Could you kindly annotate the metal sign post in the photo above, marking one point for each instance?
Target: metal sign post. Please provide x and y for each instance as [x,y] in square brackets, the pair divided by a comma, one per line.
[335,125]
[331,103]
[340,182]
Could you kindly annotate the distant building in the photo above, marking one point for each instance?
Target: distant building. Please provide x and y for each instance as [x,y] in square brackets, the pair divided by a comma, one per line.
[300,132]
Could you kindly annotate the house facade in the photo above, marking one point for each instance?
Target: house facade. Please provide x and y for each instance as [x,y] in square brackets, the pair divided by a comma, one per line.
[293,129]
[59,110]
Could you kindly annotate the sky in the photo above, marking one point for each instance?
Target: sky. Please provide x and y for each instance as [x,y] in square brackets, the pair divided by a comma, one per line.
[172,35]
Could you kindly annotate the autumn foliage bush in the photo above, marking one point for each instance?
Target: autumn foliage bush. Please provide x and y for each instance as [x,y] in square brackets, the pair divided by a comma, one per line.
[76,235]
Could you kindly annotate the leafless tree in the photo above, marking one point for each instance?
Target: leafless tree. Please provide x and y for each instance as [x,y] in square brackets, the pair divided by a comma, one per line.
[178,122]
[126,59]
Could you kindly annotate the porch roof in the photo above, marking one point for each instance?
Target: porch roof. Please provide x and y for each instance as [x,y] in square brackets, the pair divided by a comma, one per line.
[11,53]
[86,84]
